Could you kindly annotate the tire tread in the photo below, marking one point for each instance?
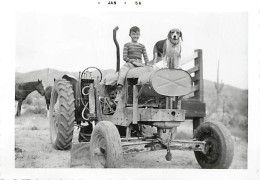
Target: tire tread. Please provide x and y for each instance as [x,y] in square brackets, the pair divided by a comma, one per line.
[67,114]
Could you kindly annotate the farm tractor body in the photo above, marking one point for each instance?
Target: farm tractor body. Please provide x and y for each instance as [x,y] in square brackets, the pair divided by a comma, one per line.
[152,106]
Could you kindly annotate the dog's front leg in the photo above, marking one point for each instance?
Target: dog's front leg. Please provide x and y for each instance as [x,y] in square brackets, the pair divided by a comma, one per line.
[176,61]
[165,62]
[176,64]
[155,56]
[171,63]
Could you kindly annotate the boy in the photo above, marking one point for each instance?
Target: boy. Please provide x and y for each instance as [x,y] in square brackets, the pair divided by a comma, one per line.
[132,55]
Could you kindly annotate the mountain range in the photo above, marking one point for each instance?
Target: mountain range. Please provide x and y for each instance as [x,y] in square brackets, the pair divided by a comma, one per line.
[229,106]
[230,100]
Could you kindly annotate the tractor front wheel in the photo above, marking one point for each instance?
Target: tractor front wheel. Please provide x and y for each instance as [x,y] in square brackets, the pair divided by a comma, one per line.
[105,146]
[62,115]
[219,147]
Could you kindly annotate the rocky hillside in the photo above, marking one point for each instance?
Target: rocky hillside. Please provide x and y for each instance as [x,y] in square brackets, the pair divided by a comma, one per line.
[47,75]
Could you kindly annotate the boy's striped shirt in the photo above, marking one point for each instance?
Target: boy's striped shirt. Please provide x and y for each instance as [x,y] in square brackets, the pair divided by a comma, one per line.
[134,51]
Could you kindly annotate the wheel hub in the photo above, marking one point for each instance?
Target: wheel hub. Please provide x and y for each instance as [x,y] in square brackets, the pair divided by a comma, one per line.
[211,149]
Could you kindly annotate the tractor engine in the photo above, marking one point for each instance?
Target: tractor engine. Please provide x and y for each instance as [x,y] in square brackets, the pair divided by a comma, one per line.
[108,104]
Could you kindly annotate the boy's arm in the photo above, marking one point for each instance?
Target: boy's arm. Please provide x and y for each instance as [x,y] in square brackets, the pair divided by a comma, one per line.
[145,55]
[125,53]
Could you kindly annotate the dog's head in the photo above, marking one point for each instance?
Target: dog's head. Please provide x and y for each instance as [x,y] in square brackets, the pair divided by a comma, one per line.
[175,35]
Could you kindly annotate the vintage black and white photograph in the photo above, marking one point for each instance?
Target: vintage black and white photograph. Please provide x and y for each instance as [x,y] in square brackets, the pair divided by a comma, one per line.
[139,90]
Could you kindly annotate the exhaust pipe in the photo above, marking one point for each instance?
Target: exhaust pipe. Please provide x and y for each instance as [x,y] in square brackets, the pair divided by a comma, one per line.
[117,49]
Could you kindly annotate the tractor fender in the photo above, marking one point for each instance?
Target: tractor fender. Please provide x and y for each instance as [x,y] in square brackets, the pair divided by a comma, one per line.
[75,87]
[69,77]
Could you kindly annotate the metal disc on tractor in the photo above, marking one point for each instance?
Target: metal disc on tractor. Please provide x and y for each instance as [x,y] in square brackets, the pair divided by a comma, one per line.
[62,115]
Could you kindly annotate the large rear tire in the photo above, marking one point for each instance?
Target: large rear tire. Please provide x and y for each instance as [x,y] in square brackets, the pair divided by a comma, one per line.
[105,146]
[62,115]
[219,145]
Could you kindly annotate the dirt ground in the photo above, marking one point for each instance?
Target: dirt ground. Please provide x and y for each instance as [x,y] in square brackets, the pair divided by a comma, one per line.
[34,150]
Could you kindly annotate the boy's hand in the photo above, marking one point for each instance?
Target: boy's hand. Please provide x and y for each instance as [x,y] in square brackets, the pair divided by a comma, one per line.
[138,64]
[150,63]
[155,67]
[131,61]
[135,63]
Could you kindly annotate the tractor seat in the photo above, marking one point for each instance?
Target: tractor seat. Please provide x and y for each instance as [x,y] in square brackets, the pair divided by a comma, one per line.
[111,79]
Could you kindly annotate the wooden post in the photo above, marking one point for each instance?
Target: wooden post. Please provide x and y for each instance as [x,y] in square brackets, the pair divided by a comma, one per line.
[200,93]
[198,61]
[196,122]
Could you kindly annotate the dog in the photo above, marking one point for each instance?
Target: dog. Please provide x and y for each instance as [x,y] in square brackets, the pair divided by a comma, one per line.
[169,50]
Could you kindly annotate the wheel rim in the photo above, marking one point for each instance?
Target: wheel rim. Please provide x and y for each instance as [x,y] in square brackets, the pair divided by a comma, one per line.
[212,148]
[100,151]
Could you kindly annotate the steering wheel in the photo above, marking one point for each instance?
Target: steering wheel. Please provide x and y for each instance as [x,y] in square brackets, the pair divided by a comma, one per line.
[88,73]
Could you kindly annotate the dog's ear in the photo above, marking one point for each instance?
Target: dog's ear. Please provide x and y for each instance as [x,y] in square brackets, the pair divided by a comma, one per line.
[169,35]
[181,36]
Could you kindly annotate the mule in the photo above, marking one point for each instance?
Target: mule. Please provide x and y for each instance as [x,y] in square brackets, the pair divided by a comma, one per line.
[22,90]
[47,95]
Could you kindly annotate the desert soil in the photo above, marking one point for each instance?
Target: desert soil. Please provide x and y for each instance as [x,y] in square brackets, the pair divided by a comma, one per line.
[33,149]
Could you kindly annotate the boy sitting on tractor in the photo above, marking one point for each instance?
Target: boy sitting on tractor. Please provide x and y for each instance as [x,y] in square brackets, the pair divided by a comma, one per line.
[132,55]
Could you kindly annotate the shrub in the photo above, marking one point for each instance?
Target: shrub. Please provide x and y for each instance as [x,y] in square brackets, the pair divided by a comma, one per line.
[37,108]
[34,128]
[28,100]
[183,135]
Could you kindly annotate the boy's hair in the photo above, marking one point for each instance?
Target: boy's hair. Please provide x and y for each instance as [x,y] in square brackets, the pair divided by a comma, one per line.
[134,29]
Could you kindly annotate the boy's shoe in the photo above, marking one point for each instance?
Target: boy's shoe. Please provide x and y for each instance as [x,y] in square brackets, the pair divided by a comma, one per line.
[119,93]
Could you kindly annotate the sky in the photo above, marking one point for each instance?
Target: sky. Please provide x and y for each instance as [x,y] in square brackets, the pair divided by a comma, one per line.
[72,42]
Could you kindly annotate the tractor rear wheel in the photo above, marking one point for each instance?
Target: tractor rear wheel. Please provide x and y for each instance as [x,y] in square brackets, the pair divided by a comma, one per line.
[105,146]
[62,115]
[219,145]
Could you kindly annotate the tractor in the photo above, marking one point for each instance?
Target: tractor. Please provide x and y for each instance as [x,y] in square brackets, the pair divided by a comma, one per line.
[159,100]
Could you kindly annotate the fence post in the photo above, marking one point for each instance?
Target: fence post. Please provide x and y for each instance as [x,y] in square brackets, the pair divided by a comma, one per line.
[198,62]
[200,93]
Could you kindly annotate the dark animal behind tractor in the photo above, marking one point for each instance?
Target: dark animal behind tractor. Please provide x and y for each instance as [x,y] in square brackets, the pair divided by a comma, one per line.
[47,95]
[22,90]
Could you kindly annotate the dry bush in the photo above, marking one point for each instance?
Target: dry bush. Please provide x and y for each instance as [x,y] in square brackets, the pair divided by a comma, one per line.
[34,128]
[28,100]
[37,106]
[36,110]
[236,123]
[183,135]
